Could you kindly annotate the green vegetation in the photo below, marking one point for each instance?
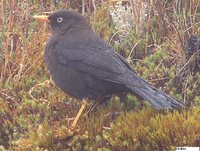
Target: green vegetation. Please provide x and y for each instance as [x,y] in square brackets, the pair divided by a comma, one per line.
[35,115]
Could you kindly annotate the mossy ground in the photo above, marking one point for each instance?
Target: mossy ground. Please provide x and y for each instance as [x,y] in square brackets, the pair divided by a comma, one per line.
[35,115]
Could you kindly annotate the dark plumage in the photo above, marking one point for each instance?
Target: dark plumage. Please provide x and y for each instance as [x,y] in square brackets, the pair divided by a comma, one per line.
[84,66]
[192,45]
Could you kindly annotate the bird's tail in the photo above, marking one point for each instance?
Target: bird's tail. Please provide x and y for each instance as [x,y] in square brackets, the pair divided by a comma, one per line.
[156,98]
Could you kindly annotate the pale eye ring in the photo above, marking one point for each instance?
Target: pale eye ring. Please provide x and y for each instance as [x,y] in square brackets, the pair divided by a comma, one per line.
[59,19]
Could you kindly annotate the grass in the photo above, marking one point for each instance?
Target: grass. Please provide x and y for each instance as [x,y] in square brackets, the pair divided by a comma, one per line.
[35,115]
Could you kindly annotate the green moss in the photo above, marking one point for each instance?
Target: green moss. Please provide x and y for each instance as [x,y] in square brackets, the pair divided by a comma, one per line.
[151,130]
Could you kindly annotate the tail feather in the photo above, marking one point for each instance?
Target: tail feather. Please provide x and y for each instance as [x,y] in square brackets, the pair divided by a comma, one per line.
[156,98]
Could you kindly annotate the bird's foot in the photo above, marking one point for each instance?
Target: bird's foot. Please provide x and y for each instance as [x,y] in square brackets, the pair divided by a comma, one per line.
[94,105]
[84,104]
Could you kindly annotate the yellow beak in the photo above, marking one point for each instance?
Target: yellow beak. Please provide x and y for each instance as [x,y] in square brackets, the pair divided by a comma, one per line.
[43,18]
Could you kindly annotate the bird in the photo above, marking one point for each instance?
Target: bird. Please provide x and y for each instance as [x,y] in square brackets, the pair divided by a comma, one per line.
[85,67]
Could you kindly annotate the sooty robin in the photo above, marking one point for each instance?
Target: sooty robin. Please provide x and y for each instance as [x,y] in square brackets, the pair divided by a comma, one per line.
[86,67]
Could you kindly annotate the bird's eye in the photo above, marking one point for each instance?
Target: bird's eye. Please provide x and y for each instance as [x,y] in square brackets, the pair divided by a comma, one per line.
[59,19]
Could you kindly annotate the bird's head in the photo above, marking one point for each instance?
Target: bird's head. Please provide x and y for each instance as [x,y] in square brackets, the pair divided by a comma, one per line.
[63,20]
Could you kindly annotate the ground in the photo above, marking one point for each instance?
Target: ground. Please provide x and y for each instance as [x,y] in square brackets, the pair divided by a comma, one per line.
[36,115]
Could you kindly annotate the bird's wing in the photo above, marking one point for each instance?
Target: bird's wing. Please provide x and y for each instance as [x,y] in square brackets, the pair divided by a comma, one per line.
[102,61]
[99,60]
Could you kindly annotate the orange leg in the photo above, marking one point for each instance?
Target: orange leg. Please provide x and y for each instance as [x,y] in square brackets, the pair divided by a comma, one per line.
[85,102]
